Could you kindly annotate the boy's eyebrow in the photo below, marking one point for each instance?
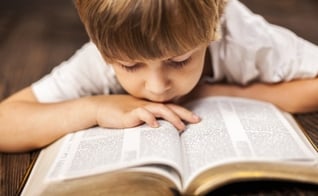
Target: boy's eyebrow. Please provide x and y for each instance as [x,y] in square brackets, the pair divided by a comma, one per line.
[125,63]
[183,55]
[189,53]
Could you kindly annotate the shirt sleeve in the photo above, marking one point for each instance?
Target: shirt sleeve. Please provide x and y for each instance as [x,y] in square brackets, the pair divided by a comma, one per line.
[251,49]
[84,74]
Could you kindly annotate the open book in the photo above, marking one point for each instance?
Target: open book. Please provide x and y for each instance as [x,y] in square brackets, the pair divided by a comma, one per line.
[236,140]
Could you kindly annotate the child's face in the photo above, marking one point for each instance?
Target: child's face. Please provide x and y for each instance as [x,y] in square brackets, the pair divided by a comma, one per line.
[162,80]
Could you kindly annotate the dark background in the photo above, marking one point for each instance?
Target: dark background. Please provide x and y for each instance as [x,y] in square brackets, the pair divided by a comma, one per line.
[36,35]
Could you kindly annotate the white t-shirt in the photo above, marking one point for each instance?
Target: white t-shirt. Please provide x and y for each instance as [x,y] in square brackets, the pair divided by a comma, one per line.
[250,49]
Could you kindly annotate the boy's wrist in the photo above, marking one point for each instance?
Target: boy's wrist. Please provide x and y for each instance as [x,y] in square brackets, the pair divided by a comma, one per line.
[81,114]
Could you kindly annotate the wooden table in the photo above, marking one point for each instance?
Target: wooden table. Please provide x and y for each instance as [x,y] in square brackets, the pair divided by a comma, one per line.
[37,35]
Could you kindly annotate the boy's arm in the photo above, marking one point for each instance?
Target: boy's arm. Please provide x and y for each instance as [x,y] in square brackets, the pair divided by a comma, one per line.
[26,124]
[296,96]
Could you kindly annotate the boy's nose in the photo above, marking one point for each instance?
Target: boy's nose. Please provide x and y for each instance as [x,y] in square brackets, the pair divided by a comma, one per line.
[157,83]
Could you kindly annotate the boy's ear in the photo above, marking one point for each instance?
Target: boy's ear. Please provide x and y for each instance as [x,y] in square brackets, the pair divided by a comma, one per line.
[218,32]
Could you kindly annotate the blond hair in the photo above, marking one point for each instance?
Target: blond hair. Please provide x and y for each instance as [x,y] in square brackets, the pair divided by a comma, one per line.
[149,29]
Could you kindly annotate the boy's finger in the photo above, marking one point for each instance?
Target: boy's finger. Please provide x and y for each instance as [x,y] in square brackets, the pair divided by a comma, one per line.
[184,113]
[139,116]
[162,111]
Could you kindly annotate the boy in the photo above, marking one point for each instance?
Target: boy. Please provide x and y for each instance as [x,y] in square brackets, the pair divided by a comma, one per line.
[147,57]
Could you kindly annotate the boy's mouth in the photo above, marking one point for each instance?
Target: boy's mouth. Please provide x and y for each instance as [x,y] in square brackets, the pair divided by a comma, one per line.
[169,100]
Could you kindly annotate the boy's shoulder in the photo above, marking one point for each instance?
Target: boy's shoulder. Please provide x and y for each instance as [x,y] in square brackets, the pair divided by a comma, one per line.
[89,53]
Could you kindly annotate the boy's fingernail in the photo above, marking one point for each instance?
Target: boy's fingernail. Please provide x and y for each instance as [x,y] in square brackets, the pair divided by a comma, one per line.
[195,117]
[155,124]
[181,126]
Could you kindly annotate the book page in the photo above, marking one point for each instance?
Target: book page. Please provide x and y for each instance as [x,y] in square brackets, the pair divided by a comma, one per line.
[236,129]
[99,150]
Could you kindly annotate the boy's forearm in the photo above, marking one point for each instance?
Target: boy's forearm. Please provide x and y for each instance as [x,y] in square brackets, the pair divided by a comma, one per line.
[28,125]
[296,96]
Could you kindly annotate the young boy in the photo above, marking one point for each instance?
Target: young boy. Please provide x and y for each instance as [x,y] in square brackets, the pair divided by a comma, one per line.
[147,57]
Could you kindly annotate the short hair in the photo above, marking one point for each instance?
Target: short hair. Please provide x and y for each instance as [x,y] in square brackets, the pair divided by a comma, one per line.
[149,29]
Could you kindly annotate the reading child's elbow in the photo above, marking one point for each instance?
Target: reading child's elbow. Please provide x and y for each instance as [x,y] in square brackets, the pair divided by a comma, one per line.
[298,108]
[16,146]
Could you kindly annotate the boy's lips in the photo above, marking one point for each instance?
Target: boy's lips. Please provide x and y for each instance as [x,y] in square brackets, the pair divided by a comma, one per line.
[166,100]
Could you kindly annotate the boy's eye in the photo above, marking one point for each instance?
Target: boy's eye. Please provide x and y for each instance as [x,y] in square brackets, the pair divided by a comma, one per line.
[173,63]
[179,64]
[130,68]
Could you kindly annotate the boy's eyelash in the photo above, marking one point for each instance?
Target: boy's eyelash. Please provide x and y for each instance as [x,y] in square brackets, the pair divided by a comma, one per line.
[179,64]
[129,68]
[174,64]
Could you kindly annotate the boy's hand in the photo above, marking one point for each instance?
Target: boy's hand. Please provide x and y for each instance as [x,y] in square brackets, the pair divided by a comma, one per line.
[123,111]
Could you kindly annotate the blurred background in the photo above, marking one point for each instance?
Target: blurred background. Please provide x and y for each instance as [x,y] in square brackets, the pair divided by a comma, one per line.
[36,35]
